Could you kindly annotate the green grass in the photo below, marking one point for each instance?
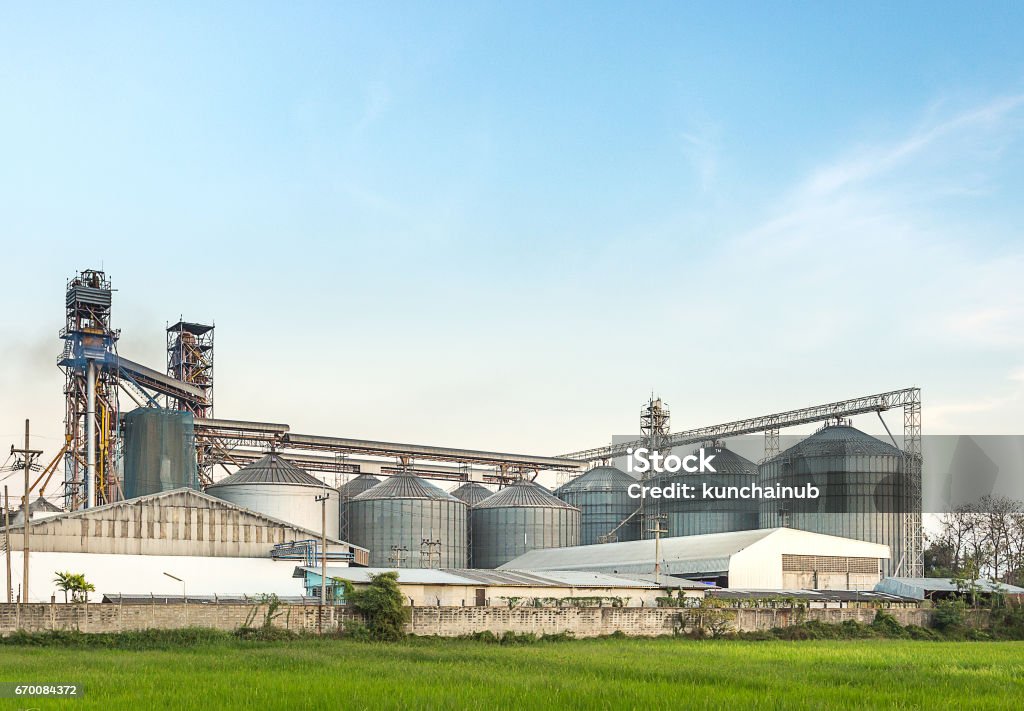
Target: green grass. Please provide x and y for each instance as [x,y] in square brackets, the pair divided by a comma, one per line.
[211,673]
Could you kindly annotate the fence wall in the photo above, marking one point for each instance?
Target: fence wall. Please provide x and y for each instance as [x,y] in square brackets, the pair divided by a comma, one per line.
[441,621]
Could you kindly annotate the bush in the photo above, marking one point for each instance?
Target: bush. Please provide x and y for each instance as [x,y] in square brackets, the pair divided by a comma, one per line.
[916,632]
[382,605]
[887,626]
[948,615]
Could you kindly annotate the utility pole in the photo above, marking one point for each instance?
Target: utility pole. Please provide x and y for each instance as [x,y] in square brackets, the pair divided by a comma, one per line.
[7,543]
[397,555]
[323,558]
[429,550]
[29,455]
[657,530]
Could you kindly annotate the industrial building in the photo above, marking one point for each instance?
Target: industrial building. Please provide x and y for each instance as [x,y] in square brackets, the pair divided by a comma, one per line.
[766,559]
[139,439]
[122,545]
[509,588]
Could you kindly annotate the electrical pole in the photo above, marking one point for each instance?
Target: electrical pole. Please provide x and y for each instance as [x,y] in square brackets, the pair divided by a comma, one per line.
[29,455]
[657,530]
[323,558]
[7,543]
[397,556]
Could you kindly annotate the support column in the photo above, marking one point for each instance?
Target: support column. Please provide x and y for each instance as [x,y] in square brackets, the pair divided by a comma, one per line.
[90,434]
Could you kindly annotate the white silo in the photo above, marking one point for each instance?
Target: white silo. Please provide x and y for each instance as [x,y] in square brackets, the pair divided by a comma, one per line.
[275,487]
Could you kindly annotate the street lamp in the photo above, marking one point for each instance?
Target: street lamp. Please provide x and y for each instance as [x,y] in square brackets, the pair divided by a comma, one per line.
[175,577]
[184,597]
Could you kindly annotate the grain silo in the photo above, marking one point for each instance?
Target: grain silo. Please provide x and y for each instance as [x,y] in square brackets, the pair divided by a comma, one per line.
[700,515]
[863,494]
[159,451]
[471,492]
[522,517]
[409,523]
[607,512]
[276,487]
[347,492]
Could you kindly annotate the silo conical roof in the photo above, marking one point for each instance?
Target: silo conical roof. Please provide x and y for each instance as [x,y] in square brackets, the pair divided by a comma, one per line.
[598,479]
[271,469]
[404,486]
[523,494]
[471,492]
[840,440]
[357,486]
[728,462]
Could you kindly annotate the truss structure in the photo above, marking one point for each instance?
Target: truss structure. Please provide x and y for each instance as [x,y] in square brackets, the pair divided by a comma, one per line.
[908,398]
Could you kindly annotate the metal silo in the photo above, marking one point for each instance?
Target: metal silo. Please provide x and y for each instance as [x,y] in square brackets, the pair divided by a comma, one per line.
[395,518]
[347,492]
[277,488]
[693,517]
[863,494]
[522,517]
[607,512]
[471,492]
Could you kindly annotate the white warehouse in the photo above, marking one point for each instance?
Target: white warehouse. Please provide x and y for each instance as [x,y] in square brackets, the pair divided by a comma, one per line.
[765,559]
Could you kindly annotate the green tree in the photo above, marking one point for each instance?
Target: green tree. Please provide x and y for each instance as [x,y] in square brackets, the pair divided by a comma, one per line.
[65,582]
[76,584]
[382,605]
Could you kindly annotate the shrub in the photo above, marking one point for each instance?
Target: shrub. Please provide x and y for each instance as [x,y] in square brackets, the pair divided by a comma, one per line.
[887,625]
[948,615]
[382,605]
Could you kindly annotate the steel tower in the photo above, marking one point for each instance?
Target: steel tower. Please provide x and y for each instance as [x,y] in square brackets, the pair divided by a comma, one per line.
[89,362]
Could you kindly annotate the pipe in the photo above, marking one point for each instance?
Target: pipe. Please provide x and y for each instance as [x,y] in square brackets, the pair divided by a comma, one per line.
[90,434]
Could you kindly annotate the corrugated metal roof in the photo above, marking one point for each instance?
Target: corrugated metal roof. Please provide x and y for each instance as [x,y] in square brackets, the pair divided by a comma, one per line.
[839,440]
[523,494]
[96,512]
[404,486]
[42,505]
[819,595]
[504,578]
[598,479]
[919,588]
[680,555]
[727,461]
[271,469]
[471,492]
[357,486]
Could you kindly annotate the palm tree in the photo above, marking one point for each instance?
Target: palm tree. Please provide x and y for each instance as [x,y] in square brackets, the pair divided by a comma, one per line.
[65,581]
[76,584]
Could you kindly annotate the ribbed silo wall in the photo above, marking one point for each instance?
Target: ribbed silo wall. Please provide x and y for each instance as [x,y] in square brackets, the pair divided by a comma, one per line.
[863,496]
[294,503]
[380,524]
[347,492]
[159,451]
[501,534]
[602,512]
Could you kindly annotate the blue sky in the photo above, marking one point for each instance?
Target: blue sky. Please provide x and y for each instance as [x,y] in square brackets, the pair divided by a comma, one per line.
[502,225]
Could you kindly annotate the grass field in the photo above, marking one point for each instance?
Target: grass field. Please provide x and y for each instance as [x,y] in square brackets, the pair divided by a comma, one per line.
[582,674]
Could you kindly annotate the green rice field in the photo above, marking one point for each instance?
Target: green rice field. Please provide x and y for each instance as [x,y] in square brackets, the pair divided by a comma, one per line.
[579,674]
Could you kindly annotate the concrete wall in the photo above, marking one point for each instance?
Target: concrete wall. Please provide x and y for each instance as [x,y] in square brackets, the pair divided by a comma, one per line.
[442,621]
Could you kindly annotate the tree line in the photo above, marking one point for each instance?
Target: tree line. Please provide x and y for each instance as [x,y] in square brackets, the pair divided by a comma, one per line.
[980,540]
